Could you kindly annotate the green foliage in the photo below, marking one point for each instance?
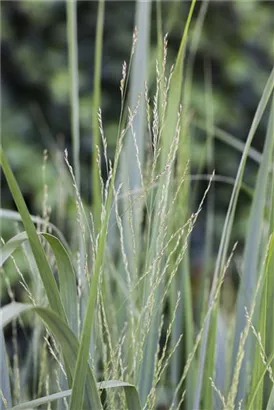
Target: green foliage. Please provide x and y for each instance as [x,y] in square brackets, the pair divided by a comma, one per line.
[116,301]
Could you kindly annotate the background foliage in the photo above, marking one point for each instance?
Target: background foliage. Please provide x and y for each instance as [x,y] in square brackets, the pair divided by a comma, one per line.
[236,47]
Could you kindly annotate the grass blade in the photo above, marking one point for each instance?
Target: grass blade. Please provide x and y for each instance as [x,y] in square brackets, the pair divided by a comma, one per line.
[251,263]
[67,277]
[170,130]
[132,157]
[15,242]
[222,253]
[259,349]
[270,404]
[15,216]
[65,337]
[74,97]
[110,384]
[5,396]
[69,345]
[37,249]
[175,93]
[83,353]
[42,400]
[260,381]
[96,187]
[67,280]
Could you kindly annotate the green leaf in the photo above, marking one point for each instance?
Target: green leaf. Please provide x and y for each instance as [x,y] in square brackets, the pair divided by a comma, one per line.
[4,373]
[67,277]
[45,271]
[260,381]
[11,311]
[29,405]
[74,93]
[15,216]
[67,280]
[147,366]
[258,364]
[175,92]
[15,242]
[270,403]
[96,189]
[130,165]
[69,345]
[130,391]
[67,341]
[223,248]
[252,253]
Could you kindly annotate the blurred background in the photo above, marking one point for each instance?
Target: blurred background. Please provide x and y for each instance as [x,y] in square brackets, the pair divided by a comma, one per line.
[234,58]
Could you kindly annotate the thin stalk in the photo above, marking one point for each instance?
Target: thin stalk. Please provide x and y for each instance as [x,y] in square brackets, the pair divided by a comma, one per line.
[74,84]
[95,189]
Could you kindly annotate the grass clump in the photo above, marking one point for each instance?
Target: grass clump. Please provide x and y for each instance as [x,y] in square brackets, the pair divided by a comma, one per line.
[116,302]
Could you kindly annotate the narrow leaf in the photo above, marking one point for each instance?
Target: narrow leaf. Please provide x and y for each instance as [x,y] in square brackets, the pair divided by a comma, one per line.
[67,277]
[67,280]
[110,384]
[251,262]
[67,340]
[37,249]
[5,400]
[223,248]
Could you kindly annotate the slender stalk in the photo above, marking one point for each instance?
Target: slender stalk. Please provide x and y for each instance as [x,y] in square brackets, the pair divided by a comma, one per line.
[74,84]
[95,189]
